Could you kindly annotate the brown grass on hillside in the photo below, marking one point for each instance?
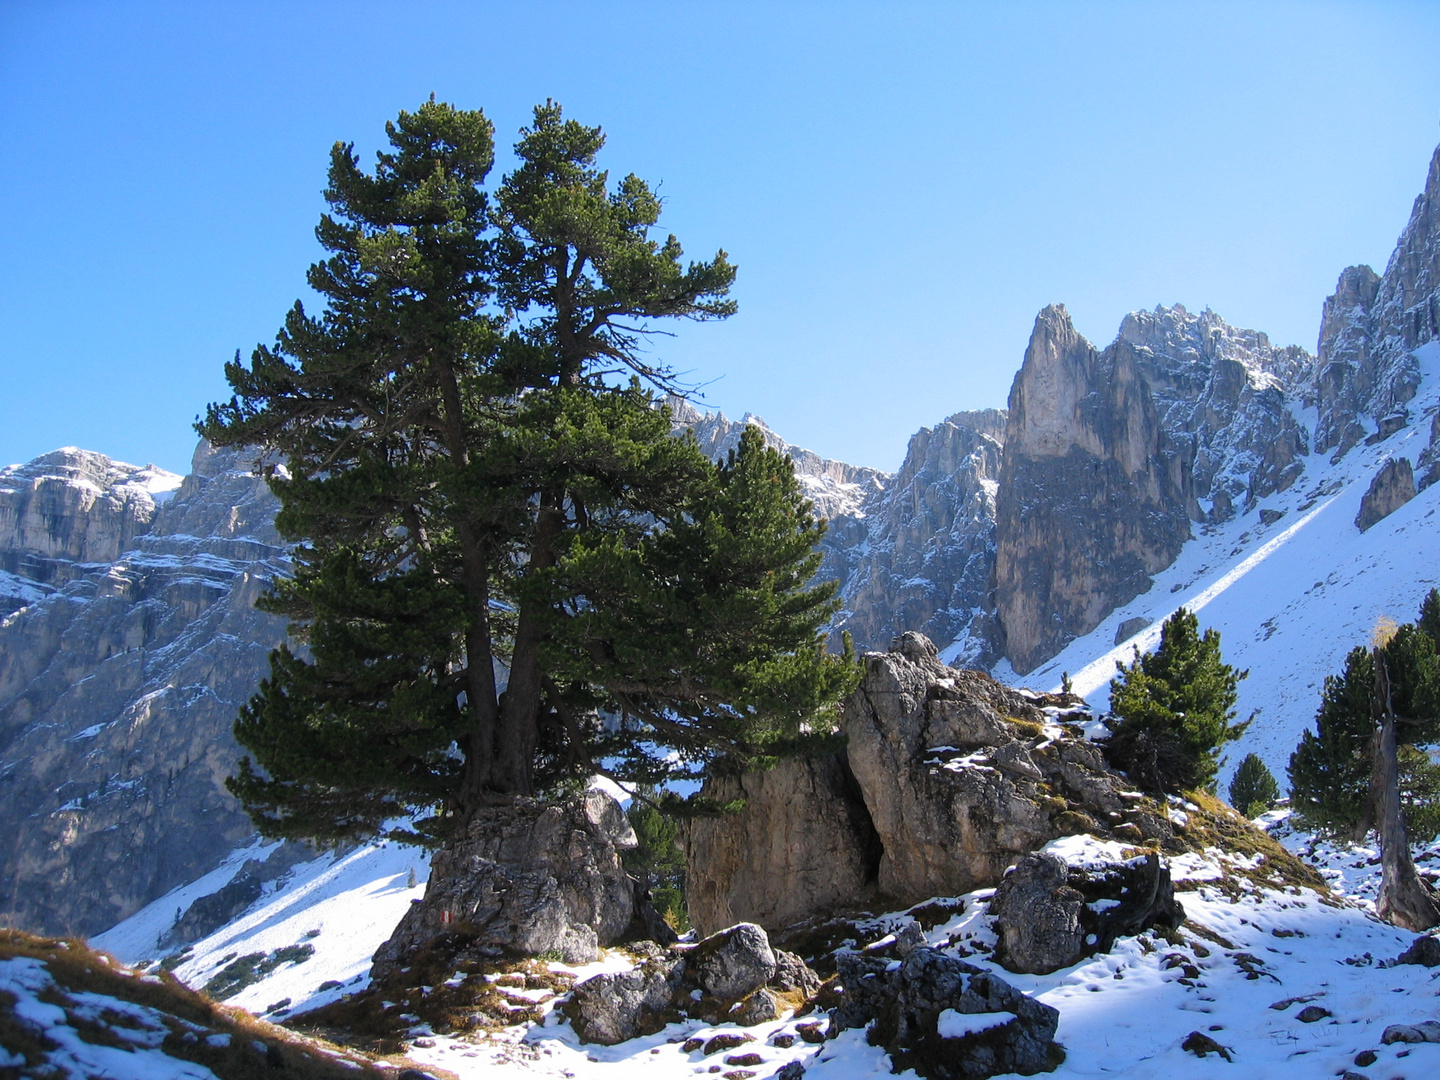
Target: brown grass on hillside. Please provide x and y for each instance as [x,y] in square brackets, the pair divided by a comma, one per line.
[255,1050]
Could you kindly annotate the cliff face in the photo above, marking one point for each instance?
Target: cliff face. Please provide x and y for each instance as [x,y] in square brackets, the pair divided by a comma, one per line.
[1369,328]
[926,555]
[67,508]
[121,676]
[1094,494]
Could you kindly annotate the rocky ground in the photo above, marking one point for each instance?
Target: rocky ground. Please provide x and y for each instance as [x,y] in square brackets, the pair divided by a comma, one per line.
[1279,974]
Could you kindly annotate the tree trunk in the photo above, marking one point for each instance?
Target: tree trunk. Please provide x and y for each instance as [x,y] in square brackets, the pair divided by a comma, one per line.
[1405,900]
[524,696]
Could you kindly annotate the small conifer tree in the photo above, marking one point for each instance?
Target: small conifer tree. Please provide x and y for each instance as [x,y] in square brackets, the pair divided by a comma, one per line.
[1253,789]
[657,861]
[1174,709]
[1331,770]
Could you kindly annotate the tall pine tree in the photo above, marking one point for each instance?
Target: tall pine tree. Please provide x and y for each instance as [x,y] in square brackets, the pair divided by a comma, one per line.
[499,541]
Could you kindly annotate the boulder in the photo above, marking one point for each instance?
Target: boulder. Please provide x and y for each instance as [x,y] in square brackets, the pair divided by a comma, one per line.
[944,1018]
[1423,951]
[962,775]
[1392,487]
[1049,915]
[730,977]
[524,879]
[733,963]
[621,1005]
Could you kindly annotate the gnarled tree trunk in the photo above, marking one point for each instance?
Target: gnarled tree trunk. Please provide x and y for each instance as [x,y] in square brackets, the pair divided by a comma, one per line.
[1404,900]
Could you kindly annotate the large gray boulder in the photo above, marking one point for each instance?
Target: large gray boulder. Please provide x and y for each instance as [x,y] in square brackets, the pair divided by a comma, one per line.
[524,879]
[961,775]
[1049,915]
[1391,488]
[944,1018]
[734,976]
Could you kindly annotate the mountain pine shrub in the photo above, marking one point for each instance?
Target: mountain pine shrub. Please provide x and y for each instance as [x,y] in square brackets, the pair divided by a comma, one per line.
[1253,789]
[1174,709]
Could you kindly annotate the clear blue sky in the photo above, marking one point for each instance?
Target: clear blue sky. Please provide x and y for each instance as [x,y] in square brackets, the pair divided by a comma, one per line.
[903,186]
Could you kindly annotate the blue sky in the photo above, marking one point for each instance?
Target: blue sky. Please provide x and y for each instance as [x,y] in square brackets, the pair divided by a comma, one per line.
[903,186]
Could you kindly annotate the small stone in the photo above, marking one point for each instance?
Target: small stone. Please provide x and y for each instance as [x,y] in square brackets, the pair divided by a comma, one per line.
[791,1070]
[784,1042]
[739,1074]
[728,1041]
[811,1033]
[1365,1057]
[692,1044]
[744,1059]
[1311,1014]
[1200,1044]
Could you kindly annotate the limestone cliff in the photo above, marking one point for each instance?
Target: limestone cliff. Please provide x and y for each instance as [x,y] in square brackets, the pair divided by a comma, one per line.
[1094,494]
[1366,374]
[927,553]
[121,676]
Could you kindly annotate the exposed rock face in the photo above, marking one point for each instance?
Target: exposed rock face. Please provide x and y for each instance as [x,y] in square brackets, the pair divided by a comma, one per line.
[528,878]
[929,545]
[944,1018]
[121,678]
[835,488]
[66,508]
[1094,495]
[1370,326]
[1392,487]
[959,776]
[1049,915]
[805,822]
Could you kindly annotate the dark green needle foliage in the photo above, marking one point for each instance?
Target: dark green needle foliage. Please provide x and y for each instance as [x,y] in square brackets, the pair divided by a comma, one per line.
[1330,771]
[1174,709]
[658,861]
[508,572]
[1253,789]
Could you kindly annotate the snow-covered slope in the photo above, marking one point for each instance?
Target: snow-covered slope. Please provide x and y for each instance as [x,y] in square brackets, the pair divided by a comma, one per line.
[1250,957]
[1290,598]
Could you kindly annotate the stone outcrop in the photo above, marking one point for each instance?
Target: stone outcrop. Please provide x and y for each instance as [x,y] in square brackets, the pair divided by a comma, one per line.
[210,912]
[944,1018]
[929,544]
[523,879]
[734,975]
[120,680]
[1392,487]
[958,778]
[805,822]
[1049,915]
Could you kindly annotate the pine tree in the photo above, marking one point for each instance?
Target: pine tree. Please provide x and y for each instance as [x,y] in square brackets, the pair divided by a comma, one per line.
[1253,789]
[1174,709]
[1331,771]
[479,479]
[657,862]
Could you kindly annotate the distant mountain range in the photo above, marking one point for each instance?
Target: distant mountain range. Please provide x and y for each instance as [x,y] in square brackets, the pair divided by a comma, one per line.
[1186,462]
